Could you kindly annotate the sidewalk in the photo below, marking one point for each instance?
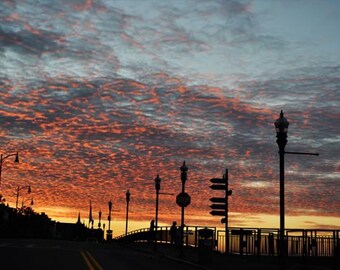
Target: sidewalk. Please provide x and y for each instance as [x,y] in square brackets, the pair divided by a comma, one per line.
[212,260]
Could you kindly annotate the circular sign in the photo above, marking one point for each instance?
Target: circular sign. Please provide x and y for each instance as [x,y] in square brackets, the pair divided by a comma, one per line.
[183,199]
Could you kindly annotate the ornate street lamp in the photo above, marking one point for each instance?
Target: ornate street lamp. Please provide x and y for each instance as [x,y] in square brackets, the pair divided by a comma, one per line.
[281,127]
[127,195]
[157,188]
[100,218]
[184,170]
[109,232]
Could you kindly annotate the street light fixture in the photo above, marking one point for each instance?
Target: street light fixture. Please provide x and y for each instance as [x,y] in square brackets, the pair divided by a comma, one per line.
[18,191]
[100,218]
[157,188]
[3,158]
[109,232]
[281,127]
[184,170]
[127,194]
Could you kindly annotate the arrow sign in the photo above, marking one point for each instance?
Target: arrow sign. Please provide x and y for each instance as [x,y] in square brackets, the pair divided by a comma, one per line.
[217,213]
[218,206]
[217,200]
[218,187]
[218,180]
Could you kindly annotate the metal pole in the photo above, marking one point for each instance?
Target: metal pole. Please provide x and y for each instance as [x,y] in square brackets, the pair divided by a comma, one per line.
[157,188]
[127,211]
[157,198]
[226,215]
[281,126]
[182,223]
[282,201]
[184,170]
[127,218]
[109,232]
[16,204]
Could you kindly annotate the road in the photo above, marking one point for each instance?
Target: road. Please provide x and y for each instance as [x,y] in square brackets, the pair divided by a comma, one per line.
[33,254]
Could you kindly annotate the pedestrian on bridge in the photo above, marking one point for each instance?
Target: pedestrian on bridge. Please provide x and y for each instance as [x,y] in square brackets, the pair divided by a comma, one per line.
[173,233]
[152,230]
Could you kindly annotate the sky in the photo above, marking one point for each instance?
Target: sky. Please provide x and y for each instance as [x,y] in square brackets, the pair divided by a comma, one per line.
[98,97]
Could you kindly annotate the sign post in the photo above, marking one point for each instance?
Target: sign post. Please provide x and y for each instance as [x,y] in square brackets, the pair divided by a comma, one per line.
[183,199]
[220,205]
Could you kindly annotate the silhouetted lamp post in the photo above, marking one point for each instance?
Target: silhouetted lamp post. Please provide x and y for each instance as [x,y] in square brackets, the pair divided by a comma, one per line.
[18,191]
[281,127]
[127,195]
[100,218]
[109,232]
[157,188]
[3,158]
[184,170]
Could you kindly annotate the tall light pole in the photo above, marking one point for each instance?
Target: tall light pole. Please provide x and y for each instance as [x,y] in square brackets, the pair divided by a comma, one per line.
[157,188]
[109,232]
[100,218]
[18,191]
[127,195]
[3,158]
[184,170]
[281,127]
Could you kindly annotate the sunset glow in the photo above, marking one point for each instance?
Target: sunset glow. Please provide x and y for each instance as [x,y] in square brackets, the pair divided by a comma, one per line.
[99,97]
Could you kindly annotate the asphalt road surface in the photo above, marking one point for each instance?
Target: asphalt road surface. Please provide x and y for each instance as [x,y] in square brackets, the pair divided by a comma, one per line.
[32,254]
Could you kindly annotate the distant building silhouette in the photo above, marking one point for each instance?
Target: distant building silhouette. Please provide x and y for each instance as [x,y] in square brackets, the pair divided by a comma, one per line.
[25,223]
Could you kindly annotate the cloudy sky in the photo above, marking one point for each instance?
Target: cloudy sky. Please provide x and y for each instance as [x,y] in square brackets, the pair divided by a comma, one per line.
[100,96]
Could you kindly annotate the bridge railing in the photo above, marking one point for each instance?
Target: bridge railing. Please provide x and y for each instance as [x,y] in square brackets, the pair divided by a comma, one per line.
[252,241]
[162,235]
[299,242]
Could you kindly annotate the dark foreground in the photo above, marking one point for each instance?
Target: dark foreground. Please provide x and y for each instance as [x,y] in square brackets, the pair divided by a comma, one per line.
[31,254]
[217,261]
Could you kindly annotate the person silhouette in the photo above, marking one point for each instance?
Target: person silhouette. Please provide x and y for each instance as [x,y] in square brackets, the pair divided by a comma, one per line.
[152,230]
[173,233]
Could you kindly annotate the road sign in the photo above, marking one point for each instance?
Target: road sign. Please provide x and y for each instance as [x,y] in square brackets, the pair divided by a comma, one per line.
[218,187]
[217,200]
[218,206]
[218,180]
[217,213]
[183,199]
